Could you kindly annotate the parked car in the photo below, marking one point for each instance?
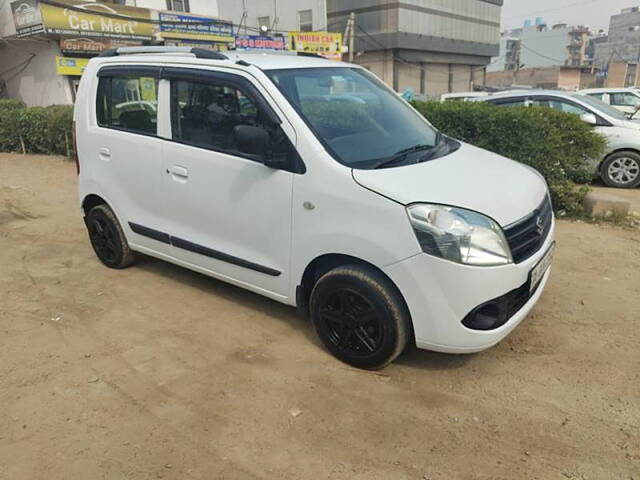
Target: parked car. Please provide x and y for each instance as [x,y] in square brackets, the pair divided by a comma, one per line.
[620,166]
[462,96]
[312,183]
[626,100]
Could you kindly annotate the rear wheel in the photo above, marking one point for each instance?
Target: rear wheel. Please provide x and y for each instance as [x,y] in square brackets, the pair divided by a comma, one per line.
[621,170]
[107,238]
[360,316]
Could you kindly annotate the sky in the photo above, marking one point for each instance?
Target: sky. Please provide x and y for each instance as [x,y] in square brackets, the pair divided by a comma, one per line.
[594,13]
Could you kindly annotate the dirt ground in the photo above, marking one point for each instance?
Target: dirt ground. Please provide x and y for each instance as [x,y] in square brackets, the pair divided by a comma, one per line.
[158,372]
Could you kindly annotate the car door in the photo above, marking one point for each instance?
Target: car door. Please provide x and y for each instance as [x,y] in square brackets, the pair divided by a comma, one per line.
[227,212]
[128,163]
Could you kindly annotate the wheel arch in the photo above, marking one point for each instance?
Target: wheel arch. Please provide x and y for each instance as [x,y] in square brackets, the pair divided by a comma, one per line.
[92,200]
[321,265]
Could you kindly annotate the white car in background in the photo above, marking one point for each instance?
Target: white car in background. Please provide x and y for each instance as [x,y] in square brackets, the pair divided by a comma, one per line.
[462,96]
[620,166]
[626,100]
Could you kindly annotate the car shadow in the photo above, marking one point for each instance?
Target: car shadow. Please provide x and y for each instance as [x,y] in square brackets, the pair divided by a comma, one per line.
[412,356]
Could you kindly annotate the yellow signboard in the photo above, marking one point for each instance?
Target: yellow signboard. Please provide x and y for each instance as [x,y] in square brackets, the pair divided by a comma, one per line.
[326,44]
[94,19]
[71,66]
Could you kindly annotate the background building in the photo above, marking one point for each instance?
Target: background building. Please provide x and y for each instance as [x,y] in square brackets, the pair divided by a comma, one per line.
[623,42]
[538,46]
[429,46]
[276,16]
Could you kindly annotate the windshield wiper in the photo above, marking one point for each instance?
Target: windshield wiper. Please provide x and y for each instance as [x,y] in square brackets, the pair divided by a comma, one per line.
[402,154]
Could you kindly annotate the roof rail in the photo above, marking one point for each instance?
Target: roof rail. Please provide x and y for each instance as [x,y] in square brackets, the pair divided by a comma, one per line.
[197,52]
[309,54]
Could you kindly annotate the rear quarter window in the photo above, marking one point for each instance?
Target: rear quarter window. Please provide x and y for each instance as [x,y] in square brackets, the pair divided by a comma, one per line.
[128,102]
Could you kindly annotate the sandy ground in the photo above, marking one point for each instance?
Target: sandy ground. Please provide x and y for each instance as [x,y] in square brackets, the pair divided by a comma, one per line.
[158,372]
[631,195]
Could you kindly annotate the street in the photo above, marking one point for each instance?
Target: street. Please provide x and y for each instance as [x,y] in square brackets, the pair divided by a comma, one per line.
[160,372]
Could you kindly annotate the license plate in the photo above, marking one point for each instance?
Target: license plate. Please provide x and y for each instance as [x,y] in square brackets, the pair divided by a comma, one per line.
[541,268]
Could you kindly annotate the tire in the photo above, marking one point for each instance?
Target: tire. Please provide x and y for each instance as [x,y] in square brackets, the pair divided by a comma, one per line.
[360,316]
[107,238]
[621,170]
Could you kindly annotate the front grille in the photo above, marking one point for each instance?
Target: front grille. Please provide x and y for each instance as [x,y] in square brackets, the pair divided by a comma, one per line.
[526,236]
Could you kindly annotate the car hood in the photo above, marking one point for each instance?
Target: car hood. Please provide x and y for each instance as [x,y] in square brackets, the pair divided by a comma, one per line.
[470,178]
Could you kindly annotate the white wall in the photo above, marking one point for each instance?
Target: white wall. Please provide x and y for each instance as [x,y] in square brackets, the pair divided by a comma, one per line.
[202,7]
[28,68]
[286,11]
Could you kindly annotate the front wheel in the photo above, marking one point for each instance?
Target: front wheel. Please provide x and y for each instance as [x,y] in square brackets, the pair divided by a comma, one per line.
[621,170]
[360,316]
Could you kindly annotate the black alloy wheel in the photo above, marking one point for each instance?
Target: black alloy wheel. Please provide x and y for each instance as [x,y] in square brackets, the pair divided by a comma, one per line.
[107,238]
[360,316]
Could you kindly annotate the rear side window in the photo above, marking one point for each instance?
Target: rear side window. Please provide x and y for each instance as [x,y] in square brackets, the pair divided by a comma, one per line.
[596,95]
[515,102]
[128,102]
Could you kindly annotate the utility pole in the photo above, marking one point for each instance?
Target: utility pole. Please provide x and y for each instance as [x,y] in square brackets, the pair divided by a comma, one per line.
[349,35]
[352,28]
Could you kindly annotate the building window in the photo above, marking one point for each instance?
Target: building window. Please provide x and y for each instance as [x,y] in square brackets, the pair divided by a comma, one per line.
[305,20]
[178,5]
[264,23]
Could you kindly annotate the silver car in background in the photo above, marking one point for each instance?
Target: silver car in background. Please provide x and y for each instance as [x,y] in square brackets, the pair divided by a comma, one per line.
[620,166]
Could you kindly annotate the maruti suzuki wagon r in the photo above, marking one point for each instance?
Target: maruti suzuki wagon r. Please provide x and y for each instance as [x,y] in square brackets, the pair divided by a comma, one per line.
[312,183]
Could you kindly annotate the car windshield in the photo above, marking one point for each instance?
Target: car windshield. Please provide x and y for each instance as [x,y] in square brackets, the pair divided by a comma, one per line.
[600,106]
[357,118]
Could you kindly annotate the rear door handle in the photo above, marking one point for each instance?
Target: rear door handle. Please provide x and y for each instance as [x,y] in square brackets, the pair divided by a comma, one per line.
[104,154]
[178,171]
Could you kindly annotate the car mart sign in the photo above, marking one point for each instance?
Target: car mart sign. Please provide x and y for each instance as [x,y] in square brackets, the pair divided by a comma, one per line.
[82,19]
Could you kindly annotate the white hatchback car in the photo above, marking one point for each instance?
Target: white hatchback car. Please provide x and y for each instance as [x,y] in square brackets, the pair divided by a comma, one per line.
[314,184]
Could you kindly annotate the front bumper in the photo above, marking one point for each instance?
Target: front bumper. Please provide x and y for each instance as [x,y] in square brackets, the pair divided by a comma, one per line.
[440,294]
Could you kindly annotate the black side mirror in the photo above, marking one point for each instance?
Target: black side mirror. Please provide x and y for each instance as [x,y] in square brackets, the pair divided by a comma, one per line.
[251,140]
[256,141]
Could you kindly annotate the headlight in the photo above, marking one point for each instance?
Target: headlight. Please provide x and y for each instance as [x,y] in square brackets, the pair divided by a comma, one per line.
[459,235]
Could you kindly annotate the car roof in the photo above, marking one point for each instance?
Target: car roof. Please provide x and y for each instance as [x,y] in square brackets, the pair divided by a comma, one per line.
[530,93]
[606,90]
[264,61]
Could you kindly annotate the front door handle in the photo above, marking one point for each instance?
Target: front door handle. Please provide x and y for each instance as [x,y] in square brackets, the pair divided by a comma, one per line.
[178,171]
[104,154]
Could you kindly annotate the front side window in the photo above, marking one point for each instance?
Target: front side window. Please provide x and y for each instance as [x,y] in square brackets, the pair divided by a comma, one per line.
[204,114]
[596,95]
[562,106]
[128,102]
[600,107]
[358,119]
[623,99]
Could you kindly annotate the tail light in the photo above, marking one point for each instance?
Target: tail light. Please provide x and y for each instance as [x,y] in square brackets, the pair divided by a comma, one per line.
[75,147]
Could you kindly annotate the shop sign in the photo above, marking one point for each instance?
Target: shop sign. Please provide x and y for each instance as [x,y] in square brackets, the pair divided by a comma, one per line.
[26,17]
[195,27]
[328,45]
[90,46]
[71,66]
[94,19]
[261,42]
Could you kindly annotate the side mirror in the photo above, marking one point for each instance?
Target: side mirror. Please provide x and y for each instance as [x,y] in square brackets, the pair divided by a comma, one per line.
[589,118]
[251,140]
[255,141]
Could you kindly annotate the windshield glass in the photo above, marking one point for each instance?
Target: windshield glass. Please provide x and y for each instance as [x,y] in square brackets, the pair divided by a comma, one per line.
[599,105]
[353,114]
